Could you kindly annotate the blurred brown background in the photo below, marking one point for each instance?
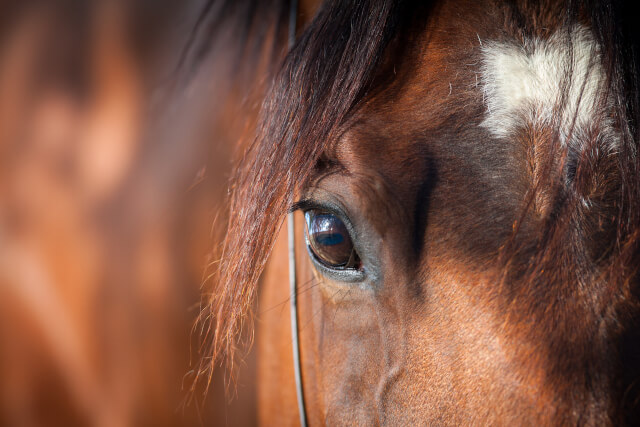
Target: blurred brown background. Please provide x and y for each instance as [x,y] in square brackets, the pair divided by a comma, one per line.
[114,164]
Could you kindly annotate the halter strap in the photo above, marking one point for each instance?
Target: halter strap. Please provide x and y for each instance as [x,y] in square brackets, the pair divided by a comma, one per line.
[297,367]
[295,339]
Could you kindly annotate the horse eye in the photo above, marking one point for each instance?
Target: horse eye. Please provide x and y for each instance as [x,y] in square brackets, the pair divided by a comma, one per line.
[329,240]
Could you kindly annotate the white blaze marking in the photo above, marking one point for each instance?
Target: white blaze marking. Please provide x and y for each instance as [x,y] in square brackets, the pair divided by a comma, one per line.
[523,84]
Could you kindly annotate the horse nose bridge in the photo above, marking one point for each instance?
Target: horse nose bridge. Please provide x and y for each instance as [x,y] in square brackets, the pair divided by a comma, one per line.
[392,320]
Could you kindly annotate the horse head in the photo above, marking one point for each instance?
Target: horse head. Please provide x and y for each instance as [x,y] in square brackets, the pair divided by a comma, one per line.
[466,186]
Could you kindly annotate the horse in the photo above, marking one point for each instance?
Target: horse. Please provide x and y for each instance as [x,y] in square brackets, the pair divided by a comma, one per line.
[463,180]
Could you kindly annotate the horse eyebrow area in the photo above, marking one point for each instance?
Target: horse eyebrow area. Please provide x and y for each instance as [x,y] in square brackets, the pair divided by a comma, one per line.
[325,165]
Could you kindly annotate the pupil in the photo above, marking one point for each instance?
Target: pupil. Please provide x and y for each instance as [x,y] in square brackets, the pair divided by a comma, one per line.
[329,239]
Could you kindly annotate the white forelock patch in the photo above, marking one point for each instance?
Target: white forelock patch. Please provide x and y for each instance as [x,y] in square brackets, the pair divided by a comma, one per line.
[523,84]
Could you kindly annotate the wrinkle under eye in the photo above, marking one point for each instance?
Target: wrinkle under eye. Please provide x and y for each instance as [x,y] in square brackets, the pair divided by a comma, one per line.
[329,240]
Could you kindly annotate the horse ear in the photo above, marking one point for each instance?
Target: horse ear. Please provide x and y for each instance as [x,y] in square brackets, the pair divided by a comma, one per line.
[550,95]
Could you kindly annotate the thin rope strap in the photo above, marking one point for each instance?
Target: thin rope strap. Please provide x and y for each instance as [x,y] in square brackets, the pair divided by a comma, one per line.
[295,339]
[294,320]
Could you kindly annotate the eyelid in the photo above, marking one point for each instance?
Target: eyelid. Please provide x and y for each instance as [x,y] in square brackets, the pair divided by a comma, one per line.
[309,204]
[305,205]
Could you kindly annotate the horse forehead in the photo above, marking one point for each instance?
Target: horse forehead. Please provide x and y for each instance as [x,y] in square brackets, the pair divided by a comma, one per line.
[501,84]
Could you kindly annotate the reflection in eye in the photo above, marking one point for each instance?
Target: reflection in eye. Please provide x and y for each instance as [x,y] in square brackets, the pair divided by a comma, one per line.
[329,240]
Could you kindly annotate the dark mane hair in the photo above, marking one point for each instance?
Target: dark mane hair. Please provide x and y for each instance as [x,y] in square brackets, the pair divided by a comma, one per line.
[329,71]
[323,77]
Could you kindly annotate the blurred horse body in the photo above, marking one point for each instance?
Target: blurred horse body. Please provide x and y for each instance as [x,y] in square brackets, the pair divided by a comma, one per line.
[114,167]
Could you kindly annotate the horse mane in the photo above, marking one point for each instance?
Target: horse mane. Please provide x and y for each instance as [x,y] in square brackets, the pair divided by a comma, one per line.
[322,80]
